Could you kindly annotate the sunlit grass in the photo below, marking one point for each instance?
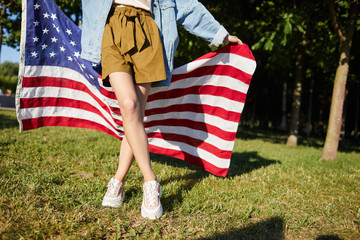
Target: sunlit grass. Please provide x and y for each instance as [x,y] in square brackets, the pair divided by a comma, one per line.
[53,181]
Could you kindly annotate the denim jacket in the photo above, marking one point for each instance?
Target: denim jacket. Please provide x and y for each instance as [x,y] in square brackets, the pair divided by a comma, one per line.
[190,14]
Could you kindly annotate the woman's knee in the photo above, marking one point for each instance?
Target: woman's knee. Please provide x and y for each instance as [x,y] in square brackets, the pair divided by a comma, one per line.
[129,107]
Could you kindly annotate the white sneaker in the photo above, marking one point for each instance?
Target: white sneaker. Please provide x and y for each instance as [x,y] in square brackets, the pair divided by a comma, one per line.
[115,194]
[151,206]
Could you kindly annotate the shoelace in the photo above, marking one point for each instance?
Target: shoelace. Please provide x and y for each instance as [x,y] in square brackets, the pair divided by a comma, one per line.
[112,188]
[151,194]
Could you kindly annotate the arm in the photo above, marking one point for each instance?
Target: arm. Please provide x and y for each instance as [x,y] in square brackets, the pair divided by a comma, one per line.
[94,18]
[196,19]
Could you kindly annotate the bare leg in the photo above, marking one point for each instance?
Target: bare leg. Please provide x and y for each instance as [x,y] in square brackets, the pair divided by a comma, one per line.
[126,156]
[132,100]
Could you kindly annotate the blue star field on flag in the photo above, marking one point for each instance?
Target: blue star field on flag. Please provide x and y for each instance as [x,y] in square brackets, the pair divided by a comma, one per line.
[53,39]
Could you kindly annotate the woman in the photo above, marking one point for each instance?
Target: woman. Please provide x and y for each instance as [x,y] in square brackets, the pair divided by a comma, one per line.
[127,59]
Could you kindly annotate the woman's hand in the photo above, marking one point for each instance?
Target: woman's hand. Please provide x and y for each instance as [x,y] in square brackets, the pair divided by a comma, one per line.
[232,39]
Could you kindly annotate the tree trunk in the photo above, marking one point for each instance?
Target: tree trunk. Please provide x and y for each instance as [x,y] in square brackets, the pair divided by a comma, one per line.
[295,114]
[338,96]
[343,122]
[335,119]
[283,125]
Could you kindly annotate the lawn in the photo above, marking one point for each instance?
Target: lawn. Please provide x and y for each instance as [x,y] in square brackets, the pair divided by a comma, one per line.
[53,181]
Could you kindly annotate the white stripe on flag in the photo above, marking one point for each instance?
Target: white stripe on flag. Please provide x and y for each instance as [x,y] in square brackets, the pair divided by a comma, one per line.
[242,63]
[32,113]
[194,151]
[195,134]
[215,101]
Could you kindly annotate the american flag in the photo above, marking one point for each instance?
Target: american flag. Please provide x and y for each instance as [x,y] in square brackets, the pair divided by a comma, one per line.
[195,119]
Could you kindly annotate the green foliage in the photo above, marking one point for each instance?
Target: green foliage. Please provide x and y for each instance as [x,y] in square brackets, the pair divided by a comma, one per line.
[10,21]
[9,69]
[190,47]
[273,29]
[53,181]
[9,76]
[72,8]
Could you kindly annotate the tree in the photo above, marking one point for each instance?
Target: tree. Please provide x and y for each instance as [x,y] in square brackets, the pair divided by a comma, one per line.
[271,28]
[9,76]
[10,12]
[72,8]
[345,35]
[290,37]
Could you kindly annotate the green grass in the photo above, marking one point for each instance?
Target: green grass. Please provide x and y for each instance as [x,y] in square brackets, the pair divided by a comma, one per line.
[53,181]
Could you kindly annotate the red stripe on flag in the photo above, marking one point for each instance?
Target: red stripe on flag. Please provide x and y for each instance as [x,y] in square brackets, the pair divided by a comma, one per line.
[192,142]
[206,127]
[107,93]
[221,70]
[64,102]
[34,123]
[48,81]
[197,108]
[240,50]
[217,91]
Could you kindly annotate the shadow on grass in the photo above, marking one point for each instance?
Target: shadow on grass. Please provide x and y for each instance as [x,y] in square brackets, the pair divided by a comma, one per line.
[329,237]
[7,121]
[279,137]
[246,162]
[190,179]
[270,229]
[240,163]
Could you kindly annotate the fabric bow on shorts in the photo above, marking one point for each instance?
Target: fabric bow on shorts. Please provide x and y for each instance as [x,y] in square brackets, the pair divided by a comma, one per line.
[131,43]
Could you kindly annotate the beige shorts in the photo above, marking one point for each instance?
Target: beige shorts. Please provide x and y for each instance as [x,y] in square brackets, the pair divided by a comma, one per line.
[131,43]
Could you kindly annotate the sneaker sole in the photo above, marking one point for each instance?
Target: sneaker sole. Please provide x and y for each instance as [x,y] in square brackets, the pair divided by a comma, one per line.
[155,213]
[113,202]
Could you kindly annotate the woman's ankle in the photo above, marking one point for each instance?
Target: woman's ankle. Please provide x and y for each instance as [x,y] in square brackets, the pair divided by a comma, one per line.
[151,177]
